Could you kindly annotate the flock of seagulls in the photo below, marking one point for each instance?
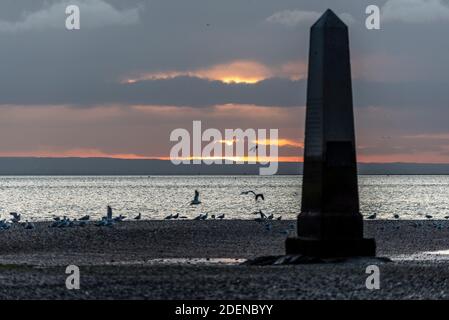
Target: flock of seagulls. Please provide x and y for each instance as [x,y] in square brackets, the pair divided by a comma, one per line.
[416,224]
[5,225]
[109,220]
[396,216]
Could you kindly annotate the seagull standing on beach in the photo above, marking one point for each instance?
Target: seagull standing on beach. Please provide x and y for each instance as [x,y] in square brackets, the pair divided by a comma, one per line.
[262,215]
[109,213]
[196,199]
[256,195]
[16,217]
[120,218]
[4,225]
[29,225]
[221,216]
[138,217]
[372,217]
[428,216]
[84,218]
[202,216]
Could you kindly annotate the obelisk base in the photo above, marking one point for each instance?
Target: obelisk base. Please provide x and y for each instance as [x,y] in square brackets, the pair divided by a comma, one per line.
[331,248]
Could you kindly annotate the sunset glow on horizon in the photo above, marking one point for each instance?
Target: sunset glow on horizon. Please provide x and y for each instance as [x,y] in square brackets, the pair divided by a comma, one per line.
[239,72]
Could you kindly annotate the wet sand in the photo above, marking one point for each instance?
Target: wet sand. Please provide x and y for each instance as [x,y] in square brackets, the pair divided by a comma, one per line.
[201,260]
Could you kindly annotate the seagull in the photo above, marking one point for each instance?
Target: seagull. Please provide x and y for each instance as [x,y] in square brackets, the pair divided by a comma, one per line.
[221,216]
[85,218]
[279,218]
[16,217]
[372,217]
[270,217]
[176,216]
[4,225]
[109,214]
[212,216]
[105,222]
[168,217]
[396,216]
[138,217]
[196,199]
[446,217]
[29,225]
[254,149]
[55,224]
[82,223]
[428,216]
[202,216]
[256,195]
[120,218]
[262,215]
[109,223]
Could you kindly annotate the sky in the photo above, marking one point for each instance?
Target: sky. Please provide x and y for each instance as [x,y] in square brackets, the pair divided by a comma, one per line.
[137,70]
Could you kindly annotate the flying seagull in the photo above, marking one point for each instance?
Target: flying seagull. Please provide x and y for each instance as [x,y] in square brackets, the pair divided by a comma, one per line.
[196,199]
[256,195]
[254,149]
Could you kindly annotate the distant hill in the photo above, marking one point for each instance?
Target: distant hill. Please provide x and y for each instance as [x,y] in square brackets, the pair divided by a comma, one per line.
[108,166]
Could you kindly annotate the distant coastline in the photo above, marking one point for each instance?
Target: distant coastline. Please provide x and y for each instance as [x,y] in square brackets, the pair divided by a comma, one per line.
[110,166]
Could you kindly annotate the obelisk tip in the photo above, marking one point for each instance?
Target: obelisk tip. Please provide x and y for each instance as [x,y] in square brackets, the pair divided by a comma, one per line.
[329,20]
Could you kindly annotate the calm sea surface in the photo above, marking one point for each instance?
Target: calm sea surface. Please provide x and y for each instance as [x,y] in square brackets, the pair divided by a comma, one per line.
[40,198]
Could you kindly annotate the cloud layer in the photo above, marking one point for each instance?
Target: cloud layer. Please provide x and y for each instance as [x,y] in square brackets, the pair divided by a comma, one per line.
[416,11]
[292,18]
[94,13]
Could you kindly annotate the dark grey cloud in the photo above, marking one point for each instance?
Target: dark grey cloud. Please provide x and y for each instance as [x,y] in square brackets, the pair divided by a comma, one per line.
[198,92]
[53,66]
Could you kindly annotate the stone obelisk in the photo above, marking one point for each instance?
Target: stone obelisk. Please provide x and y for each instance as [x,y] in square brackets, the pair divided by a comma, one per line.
[330,224]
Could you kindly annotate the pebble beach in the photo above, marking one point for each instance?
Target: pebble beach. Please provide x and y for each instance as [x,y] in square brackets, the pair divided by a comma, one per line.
[203,260]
